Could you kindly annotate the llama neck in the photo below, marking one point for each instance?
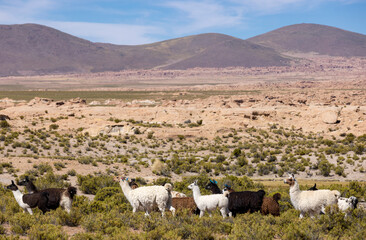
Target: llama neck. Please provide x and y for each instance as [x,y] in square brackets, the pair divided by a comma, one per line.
[31,188]
[126,189]
[216,190]
[196,192]
[18,196]
[294,193]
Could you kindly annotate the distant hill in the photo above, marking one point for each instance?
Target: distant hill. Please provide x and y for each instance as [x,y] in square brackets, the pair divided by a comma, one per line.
[322,39]
[31,49]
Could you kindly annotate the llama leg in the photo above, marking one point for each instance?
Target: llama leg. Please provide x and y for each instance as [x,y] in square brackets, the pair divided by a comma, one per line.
[223,212]
[172,209]
[301,214]
[30,211]
[202,212]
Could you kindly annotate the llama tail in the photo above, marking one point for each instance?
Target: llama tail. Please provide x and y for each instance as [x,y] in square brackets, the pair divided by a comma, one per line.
[168,187]
[71,192]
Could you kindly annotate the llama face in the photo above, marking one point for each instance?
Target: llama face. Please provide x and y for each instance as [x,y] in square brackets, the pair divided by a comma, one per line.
[12,186]
[210,185]
[192,185]
[290,180]
[24,182]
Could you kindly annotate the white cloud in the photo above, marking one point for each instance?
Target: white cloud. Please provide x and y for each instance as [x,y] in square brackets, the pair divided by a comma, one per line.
[35,11]
[109,33]
[200,15]
[21,11]
[276,6]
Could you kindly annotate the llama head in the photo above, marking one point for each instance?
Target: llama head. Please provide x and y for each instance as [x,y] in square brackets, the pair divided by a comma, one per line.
[290,180]
[226,192]
[24,182]
[12,186]
[193,185]
[354,201]
[133,184]
[212,185]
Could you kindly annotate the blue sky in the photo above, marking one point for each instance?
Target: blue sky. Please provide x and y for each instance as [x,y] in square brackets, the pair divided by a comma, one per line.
[133,22]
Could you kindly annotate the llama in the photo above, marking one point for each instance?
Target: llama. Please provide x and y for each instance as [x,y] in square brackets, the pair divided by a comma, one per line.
[270,205]
[347,204]
[209,202]
[145,198]
[29,201]
[185,203]
[56,196]
[176,194]
[212,186]
[311,202]
[243,202]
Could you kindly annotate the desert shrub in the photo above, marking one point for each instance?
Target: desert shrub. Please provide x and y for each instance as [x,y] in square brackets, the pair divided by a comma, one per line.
[71,172]
[2,230]
[87,236]
[59,165]
[240,183]
[237,152]
[4,124]
[53,126]
[51,180]
[91,184]
[305,228]
[253,226]
[22,222]
[43,167]
[324,167]
[334,222]
[46,231]
[71,219]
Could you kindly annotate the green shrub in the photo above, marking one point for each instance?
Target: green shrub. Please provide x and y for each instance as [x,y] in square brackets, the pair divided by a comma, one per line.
[90,184]
[22,222]
[4,124]
[51,180]
[46,231]
[71,219]
[43,167]
[253,226]
[71,172]
[53,127]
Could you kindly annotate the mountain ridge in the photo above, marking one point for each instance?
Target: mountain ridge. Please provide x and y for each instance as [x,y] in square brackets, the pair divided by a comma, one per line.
[32,49]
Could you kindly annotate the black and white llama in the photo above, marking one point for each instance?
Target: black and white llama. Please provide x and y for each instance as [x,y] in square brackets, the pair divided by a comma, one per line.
[29,201]
[56,196]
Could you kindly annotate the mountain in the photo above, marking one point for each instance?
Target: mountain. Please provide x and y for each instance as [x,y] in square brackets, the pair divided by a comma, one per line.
[30,49]
[321,39]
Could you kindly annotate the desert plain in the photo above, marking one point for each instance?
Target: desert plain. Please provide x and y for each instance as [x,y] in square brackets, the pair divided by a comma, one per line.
[176,123]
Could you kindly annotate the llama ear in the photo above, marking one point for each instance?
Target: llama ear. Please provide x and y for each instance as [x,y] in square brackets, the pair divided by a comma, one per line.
[215,182]
[211,181]
[195,182]
[12,182]
[126,178]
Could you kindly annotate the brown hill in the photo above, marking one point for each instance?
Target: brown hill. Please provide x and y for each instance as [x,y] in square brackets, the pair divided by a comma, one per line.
[30,49]
[314,38]
[232,53]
